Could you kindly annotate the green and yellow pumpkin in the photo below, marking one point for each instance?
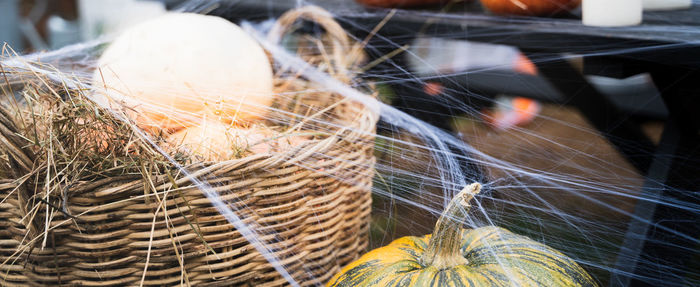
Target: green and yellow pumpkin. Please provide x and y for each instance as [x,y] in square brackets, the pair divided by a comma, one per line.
[452,256]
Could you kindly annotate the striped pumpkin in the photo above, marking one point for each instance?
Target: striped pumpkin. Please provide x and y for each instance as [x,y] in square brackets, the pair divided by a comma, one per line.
[452,256]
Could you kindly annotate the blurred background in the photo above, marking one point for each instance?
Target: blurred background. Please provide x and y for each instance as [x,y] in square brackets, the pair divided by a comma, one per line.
[32,25]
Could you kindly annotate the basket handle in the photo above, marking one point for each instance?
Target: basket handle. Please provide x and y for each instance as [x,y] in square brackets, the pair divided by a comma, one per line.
[341,41]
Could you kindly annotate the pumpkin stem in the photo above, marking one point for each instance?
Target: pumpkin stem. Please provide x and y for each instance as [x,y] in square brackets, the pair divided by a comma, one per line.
[445,243]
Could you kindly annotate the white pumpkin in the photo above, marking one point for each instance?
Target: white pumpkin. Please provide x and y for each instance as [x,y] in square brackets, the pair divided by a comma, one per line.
[174,70]
[215,141]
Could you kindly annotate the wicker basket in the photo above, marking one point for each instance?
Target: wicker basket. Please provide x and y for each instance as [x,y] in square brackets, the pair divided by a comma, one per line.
[309,205]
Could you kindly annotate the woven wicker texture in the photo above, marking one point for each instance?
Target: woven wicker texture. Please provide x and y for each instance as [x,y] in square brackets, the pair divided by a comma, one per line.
[310,204]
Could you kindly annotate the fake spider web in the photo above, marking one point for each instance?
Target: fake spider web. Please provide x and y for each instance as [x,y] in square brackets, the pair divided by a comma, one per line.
[556,180]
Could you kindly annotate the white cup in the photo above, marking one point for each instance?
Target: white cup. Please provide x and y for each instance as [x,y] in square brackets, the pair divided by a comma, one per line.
[666,4]
[612,13]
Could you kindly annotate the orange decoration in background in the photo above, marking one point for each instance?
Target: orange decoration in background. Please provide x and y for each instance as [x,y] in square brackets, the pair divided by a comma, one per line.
[530,7]
[517,112]
[433,88]
[525,66]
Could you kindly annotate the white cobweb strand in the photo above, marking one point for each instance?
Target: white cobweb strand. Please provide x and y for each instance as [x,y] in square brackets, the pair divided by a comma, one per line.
[76,54]
[452,180]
